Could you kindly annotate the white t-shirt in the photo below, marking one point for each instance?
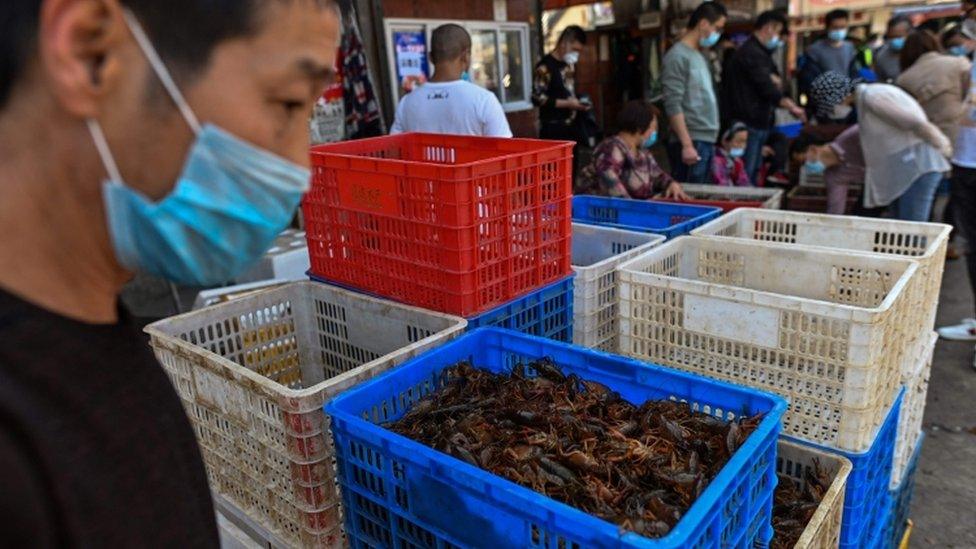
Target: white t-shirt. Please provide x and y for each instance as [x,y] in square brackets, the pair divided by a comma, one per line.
[458,108]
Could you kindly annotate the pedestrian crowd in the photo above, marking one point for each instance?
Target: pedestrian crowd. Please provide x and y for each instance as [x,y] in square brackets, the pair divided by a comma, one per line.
[896,122]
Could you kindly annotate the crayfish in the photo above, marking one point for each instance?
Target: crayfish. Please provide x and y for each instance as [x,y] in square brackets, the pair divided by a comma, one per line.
[577,441]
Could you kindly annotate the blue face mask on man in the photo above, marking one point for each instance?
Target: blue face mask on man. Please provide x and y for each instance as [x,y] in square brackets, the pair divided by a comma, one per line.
[228,205]
[774,43]
[897,43]
[837,35]
[709,40]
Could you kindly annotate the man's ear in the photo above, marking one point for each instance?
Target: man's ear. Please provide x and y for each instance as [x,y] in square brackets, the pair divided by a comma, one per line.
[80,51]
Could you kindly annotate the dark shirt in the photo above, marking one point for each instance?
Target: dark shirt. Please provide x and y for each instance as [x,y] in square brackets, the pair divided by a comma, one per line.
[750,93]
[95,449]
[553,80]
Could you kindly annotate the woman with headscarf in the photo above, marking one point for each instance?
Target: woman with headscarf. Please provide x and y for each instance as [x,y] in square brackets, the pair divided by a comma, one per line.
[904,154]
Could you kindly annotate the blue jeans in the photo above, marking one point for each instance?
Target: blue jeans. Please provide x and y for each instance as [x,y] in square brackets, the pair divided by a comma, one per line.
[699,172]
[753,156]
[916,203]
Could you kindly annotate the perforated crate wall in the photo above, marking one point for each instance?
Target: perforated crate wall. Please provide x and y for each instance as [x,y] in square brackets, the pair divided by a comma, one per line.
[730,198]
[916,382]
[451,223]
[596,297]
[253,374]
[923,242]
[795,461]
[824,328]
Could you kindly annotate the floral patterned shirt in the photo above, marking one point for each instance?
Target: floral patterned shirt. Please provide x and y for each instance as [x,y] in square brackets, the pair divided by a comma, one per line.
[617,170]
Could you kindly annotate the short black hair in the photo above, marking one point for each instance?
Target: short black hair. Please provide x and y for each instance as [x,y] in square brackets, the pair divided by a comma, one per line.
[184,32]
[448,42]
[834,15]
[772,16]
[899,20]
[709,11]
[636,116]
[573,33]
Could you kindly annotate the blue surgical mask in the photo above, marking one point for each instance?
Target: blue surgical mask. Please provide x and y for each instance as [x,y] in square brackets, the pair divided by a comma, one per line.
[228,205]
[709,41]
[814,167]
[650,141]
[897,43]
[958,50]
[837,35]
[466,76]
[774,43]
[737,152]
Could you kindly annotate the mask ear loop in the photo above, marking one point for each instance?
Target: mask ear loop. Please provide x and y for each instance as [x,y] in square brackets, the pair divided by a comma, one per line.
[103,151]
[160,69]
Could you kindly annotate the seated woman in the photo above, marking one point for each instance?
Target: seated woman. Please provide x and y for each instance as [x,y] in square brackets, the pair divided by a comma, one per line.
[728,169]
[622,166]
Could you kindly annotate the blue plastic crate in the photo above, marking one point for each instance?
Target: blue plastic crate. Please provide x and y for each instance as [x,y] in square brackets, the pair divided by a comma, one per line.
[398,492]
[546,312]
[667,218]
[901,498]
[867,503]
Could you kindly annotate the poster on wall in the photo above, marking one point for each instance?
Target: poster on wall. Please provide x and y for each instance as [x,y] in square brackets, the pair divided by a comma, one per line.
[410,51]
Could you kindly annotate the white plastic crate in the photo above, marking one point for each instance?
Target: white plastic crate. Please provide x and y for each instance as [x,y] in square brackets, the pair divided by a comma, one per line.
[823,328]
[794,460]
[771,198]
[254,373]
[287,259]
[915,377]
[596,253]
[923,242]
[213,296]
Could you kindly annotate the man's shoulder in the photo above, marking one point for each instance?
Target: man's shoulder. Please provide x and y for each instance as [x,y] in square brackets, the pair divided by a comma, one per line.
[678,53]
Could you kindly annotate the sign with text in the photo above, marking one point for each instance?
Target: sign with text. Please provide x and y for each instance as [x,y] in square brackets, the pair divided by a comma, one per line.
[410,50]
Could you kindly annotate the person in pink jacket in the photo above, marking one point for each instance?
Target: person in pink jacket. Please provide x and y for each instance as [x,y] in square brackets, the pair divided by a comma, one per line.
[728,167]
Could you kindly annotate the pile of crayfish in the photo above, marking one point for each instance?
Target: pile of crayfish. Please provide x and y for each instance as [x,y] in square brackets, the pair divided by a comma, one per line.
[794,506]
[578,442]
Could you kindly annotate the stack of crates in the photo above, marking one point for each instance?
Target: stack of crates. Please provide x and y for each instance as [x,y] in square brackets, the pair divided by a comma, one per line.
[253,374]
[826,328]
[476,227]
[835,313]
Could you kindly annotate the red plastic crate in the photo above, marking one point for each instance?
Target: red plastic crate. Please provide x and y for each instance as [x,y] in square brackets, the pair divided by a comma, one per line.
[455,224]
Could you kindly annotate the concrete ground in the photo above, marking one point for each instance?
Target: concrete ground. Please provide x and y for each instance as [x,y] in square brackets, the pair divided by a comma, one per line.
[944,506]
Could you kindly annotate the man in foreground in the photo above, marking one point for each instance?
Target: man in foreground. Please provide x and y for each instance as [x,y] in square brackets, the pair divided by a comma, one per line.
[135,135]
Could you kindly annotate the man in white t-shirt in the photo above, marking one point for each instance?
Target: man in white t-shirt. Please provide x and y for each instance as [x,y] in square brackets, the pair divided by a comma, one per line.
[448,103]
